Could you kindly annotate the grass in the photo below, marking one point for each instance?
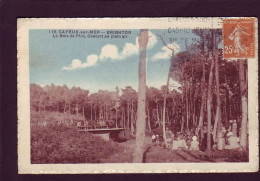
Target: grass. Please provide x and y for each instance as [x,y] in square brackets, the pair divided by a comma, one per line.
[64,144]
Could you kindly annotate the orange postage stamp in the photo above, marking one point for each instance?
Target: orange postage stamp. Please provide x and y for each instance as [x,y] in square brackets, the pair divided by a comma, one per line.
[238,38]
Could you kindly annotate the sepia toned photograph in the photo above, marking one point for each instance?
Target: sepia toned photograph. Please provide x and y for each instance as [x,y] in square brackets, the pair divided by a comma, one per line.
[121,95]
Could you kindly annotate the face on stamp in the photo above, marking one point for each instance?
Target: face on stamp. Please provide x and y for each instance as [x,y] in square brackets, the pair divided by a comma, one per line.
[239,38]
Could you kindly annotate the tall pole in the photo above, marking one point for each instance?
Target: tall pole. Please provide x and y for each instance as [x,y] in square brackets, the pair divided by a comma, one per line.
[243,94]
[141,111]
[164,103]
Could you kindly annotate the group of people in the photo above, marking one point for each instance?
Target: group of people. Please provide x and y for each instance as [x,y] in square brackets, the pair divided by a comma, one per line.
[196,139]
[186,140]
[178,141]
[225,139]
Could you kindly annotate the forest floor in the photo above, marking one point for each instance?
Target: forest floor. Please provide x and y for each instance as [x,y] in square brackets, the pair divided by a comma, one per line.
[61,144]
[156,154]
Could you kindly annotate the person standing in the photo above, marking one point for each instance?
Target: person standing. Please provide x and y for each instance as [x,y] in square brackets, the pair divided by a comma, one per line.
[234,128]
[194,146]
[169,137]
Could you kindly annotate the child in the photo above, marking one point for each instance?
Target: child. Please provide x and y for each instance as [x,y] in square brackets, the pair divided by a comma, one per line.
[194,144]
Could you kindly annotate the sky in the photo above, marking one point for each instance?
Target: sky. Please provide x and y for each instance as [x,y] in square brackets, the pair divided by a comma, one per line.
[101,63]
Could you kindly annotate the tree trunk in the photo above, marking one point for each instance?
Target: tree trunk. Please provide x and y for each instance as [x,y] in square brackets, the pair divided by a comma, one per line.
[192,99]
[161,110]
[157,113]
[164,107]
[182,111]
[203,86]
[91,111]
[217,124]
[95,112]
[103,113]
[84,115]
[187,106]
[227,105]
[243,92]
[141,114]
[202,108]
[194,116]
[173,109]
[209,102]
[123,117]
[116,118]
[132,118]
[100,113]
[148,117]
[106,112]
[128,115]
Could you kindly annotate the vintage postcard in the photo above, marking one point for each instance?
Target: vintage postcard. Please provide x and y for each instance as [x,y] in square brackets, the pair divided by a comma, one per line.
[137,95]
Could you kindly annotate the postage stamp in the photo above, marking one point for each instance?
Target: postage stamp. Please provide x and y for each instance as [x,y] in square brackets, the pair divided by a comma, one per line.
[239,38]
[137,95]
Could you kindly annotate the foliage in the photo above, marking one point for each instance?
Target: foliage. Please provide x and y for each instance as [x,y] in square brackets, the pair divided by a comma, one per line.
[63,144]
[184,108]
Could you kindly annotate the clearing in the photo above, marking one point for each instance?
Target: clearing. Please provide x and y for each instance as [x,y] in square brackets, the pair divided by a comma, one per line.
[156,154]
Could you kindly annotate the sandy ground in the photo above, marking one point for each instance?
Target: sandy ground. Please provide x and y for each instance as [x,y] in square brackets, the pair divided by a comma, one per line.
[156,154]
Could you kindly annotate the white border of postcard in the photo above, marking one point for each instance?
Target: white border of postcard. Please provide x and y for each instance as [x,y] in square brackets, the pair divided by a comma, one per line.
[24,161]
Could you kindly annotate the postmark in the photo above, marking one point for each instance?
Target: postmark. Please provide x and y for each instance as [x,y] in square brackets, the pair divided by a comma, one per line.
[137,95]
[239,38]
